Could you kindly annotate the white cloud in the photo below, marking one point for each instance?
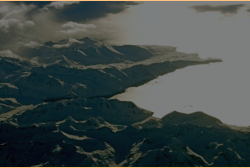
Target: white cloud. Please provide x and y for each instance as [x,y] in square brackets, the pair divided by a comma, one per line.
[29,23]
[77,25]
[73,27]
[5,25]
[68,44]
[21,23]
[8,53]
[14,17]
[33,44]
[72,40]
[61,45]
[15,13]
[61,4]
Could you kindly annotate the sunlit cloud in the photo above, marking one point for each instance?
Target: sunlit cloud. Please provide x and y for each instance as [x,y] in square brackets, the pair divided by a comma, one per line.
[69,42]
[73,27]
[8,54]
[6,25]
[33,44]
[61,4]
[23,24]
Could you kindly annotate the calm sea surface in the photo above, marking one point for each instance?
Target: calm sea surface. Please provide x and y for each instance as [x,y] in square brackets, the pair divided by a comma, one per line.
[218,89]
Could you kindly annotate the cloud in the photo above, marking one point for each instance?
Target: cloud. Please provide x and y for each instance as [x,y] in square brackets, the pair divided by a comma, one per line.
[72,40]
[39,4]
[15,26]
[61,45]
[89,10]
[29,23]
[61,4]
[8,54]
[4,9]
[223,9]
[13,18]
[6,25]
[33,44]
[22,23]
[14,12]
[73,27]
[83,10]
[69,42]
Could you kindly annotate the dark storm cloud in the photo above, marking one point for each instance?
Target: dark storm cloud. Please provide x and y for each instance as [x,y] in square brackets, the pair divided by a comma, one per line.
[92,10]
[85,10]
[224,9]
[248,10]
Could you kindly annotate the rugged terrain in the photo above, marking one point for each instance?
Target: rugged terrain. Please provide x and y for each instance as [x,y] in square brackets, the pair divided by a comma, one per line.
[85,68]
[101,132]
[55,110]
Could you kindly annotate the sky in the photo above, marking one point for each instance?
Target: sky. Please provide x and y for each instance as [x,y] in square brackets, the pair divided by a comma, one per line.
[211,29]
[220,29]
[190,26]
[25,22]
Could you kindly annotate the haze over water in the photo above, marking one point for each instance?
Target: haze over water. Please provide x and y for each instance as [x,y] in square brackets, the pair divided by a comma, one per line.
[218,89]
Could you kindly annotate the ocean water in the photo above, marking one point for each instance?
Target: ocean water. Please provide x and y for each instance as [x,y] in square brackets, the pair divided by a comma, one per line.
[221,90]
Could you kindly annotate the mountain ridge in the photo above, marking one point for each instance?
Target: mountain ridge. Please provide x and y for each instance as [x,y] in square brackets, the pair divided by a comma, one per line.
[179,144]
[102,65]
[198,117]
[57,111]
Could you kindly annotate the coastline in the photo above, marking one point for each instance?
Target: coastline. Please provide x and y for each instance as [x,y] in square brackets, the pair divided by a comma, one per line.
[142,82]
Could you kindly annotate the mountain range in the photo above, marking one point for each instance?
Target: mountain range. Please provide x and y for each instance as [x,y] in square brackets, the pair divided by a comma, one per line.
[55,110]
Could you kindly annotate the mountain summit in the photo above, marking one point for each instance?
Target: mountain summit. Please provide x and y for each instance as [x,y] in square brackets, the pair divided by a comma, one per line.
[196,118]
